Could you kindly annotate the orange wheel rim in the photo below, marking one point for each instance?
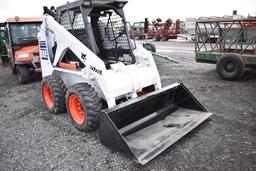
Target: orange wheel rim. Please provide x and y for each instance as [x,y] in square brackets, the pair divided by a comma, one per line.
[48,95]
[76,109]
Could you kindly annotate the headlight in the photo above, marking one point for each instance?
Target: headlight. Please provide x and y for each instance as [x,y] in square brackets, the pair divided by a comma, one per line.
[23,55]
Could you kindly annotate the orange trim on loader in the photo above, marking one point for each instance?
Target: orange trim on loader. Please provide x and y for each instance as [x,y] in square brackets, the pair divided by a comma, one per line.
[141,93]
[67,66]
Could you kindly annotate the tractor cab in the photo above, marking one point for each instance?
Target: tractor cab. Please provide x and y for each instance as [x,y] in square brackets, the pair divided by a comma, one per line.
[22,46]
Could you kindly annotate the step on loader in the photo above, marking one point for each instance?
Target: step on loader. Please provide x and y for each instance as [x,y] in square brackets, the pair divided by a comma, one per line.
[104,79]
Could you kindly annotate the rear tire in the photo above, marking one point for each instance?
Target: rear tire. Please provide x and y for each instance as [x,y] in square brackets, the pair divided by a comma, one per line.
[54,91]
[84,107]
[230,67]
[23,74]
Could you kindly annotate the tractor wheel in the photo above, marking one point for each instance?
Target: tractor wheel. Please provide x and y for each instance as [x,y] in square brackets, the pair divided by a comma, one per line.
[23,74]
[165,39]
[150,47]
[54,91]
[84,107]
[157,38]
[230,67]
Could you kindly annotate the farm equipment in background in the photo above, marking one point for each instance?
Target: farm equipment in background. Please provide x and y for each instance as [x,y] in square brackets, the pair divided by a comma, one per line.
[235,48]
[3,38]
[151,47]
[92,68]
[22,47]
[137,31]
[163,31]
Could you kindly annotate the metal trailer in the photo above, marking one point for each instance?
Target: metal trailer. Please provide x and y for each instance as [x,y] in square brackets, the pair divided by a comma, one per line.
[234,50]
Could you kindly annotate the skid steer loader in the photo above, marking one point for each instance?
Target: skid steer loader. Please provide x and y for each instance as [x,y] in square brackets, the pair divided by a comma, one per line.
[93,69]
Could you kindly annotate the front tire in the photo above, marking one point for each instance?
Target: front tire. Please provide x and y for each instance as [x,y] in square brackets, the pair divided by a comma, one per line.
[54,91]
[230,67]
[84,107]
[23,74]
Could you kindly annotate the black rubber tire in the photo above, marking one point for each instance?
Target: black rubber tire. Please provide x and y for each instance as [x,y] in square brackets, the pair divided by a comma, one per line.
[156,38]
[59,90]
[165,39]
[150,47]
[13,66]
[230,67]
[90,103]
[23,74]
[14,71]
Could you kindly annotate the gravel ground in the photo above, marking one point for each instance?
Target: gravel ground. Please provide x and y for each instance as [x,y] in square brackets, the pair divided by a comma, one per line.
[33,139]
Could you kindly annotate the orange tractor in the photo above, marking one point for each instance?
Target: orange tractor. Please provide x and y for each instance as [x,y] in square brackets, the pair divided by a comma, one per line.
[22,46]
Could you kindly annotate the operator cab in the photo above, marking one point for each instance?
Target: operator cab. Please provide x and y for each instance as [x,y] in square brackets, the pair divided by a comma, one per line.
[100,26]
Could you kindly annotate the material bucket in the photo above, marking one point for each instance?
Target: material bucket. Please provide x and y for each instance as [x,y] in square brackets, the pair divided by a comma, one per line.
[148,125]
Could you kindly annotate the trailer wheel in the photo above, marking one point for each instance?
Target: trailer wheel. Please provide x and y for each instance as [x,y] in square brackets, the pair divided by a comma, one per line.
[230,67]
[150,47]
[23,74]
[54,91]
[84,107]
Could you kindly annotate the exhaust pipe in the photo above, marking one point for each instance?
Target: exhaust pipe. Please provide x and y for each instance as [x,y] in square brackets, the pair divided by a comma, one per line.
[146,126]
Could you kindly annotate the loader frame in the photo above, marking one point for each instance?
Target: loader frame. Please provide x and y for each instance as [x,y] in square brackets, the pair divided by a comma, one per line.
[93,69]
[96,54]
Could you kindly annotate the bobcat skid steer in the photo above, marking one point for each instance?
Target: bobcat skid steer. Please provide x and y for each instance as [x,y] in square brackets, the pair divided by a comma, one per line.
[91,68]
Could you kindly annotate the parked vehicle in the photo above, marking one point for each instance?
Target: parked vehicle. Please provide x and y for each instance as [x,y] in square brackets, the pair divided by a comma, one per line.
[235,48]
[92,68]
[163,31]
[137,31]
[3,38]
[22,46]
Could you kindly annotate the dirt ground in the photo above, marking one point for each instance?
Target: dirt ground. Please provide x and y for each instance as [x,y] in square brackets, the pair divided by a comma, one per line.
[33,139]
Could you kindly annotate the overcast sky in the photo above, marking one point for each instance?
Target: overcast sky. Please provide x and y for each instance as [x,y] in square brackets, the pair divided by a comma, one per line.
[137,10]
